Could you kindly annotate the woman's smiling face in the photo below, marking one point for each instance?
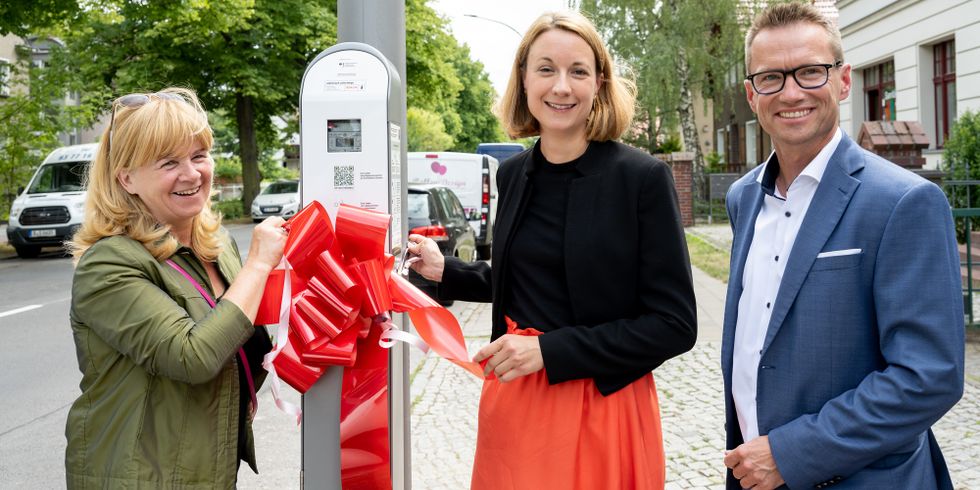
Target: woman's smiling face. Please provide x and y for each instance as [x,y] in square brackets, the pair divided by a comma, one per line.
[174,188]
[561,82]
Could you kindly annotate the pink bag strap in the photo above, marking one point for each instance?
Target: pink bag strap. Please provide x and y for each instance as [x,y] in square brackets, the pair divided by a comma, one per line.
[241,351]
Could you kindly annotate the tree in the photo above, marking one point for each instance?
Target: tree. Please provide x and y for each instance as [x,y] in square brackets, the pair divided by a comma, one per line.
[676,49]
[426,131]
[245,57]
[433,84]
[474,104]
[31,118]
[444,81]
[24,17]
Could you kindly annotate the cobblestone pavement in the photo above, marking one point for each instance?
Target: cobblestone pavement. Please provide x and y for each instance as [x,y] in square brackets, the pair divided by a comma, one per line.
[445,400]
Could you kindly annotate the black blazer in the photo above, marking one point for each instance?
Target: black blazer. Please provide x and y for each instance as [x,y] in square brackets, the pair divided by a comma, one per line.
[626,262]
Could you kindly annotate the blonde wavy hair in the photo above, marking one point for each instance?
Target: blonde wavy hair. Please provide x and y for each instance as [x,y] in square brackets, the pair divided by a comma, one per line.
[615,102]
[137,135]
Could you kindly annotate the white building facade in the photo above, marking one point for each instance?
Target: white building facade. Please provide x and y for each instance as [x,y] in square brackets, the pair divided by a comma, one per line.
[913,60]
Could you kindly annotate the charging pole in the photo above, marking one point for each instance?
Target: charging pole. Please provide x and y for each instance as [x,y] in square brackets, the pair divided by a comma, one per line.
[352,150]
[381,24]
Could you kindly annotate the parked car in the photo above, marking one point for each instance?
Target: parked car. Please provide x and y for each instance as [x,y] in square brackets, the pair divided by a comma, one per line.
[51,208]
[277,199]
[434,211]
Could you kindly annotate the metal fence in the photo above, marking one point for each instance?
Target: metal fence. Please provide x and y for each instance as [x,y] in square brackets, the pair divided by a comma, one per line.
[964,199]
[710,208]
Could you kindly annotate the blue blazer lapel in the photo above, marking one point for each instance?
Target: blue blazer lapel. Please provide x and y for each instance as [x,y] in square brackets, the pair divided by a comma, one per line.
[836,188]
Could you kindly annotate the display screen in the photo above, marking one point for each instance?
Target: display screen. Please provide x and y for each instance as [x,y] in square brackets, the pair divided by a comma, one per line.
[343,135]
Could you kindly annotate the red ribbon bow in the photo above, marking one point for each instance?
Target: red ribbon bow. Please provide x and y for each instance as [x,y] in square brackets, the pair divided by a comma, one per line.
[342,288]
[341,292]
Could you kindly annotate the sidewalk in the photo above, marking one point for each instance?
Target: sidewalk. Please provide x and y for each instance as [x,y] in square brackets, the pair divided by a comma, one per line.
[445,401]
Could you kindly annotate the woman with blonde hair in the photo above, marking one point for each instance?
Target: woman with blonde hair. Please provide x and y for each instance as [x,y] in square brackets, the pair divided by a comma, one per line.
[590,284]
[162,309]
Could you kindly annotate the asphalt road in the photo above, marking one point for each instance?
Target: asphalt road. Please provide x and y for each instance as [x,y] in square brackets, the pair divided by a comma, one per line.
[39,373]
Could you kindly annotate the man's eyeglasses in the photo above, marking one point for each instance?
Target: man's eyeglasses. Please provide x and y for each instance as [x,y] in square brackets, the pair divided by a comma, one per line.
[806,76]
[133,101]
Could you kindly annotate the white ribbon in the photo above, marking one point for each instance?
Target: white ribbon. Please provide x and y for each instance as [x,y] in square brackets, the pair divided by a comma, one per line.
[392,333]
[282,340]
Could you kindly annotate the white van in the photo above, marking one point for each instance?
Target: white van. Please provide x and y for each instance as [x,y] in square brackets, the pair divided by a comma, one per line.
[472,177]
[51,208]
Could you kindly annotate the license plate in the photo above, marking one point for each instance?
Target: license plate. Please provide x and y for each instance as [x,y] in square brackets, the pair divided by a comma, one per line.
[41,233]
[270,209]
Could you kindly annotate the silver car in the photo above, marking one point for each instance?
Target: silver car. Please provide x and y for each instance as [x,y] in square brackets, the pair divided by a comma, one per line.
[277,199]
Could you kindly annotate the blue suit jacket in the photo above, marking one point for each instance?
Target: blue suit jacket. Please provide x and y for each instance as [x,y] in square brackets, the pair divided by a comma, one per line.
[863,352]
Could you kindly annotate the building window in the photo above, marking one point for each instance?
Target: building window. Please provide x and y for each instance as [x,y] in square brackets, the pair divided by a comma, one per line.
[879,92]
[944,81]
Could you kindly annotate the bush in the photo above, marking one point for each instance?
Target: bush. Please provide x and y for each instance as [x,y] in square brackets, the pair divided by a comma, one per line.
[228,169]
[272,169]
[229,209]
[961,161]
[670,144]
[713,161]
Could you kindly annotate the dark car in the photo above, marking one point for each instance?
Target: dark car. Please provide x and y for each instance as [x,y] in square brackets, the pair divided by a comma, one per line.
[435,212]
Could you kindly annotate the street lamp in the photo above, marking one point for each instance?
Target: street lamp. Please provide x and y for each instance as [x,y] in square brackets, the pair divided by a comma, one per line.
[496,21]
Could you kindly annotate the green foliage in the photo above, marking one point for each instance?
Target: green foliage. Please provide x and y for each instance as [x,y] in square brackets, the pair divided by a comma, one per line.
[443,81]
[426,131]
[961,161]
[433,84]
[708,258]
[273,169]
[473,105]
[669,46]
[232,209]
[961,155]
[227,169]
[24,17]
[32,117]
[670,144]
[245,58]
[713,161]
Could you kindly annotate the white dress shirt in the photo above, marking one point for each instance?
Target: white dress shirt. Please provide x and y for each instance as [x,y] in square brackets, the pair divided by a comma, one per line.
[776,228]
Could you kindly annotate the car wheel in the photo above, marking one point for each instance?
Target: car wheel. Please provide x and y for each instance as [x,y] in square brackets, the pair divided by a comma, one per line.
[27,251]
[256,220]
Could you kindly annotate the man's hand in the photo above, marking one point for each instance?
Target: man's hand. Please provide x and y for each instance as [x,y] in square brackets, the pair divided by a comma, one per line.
[752,463]
[511,357]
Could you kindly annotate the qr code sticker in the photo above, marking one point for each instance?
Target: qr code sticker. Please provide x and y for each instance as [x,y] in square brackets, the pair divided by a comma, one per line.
[343,177]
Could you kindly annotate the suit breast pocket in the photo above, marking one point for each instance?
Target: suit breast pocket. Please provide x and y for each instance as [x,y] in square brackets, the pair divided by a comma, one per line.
[837,262]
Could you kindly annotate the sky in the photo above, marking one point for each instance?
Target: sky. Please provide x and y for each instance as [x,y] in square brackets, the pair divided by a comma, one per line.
[491,43]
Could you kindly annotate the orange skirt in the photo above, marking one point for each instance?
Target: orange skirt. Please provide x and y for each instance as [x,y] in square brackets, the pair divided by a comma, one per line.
[533,435]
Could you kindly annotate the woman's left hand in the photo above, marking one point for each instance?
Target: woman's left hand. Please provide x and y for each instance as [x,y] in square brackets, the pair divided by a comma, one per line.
[511,357]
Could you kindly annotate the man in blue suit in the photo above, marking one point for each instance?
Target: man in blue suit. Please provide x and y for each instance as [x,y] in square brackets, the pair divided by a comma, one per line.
[843,340]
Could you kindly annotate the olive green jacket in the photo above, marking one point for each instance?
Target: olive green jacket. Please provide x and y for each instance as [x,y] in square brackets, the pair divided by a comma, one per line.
[160,386]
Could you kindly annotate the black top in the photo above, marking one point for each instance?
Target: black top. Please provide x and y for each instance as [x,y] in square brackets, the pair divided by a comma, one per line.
[256,347]
[538,296]
[626,269]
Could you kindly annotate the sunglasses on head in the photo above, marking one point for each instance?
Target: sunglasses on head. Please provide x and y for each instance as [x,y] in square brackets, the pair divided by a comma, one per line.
[133,101]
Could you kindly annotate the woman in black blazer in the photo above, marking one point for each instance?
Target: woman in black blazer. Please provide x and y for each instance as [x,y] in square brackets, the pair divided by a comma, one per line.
[590,284]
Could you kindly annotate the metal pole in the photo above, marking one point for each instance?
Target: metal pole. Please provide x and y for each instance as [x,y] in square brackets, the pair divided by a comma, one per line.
[381,24]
